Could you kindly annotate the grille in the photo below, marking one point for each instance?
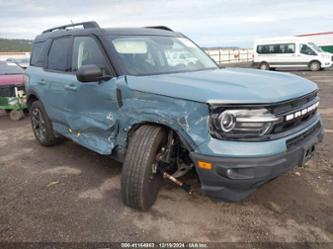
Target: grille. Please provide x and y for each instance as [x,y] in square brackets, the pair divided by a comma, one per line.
[293,105]
[9,90]
[291,143]
[290,107]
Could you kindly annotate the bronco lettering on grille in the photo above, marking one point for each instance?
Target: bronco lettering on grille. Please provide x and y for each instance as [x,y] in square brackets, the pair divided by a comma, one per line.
[302,112]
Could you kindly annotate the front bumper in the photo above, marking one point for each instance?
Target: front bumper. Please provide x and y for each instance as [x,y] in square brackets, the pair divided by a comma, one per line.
[327,64]
[232,178]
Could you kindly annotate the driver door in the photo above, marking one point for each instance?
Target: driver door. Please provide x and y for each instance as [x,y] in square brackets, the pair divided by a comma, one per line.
[306,54]
[92,106]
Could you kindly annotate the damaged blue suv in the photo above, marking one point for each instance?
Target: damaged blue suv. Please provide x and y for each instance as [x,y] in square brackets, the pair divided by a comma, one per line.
[152,99]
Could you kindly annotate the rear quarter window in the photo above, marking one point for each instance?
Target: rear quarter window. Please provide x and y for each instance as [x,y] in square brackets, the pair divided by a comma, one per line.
[39,53]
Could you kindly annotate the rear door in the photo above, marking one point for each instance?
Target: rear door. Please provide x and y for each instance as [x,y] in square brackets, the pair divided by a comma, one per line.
[284,54]
[37,75]
[57,77]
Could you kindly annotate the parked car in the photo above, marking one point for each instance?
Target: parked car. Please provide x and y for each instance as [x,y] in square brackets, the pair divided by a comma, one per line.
[11,74]
[12,90]
[21,62]
[290,52]
[113,91]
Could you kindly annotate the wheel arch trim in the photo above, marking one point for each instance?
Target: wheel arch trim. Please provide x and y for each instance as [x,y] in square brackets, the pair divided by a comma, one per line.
[31,97]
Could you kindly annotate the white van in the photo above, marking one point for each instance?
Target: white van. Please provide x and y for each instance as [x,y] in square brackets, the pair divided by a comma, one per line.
[290,52]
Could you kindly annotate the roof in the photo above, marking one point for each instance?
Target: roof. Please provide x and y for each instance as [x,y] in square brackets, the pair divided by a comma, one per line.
[280,39]
[316,34]
[62,31]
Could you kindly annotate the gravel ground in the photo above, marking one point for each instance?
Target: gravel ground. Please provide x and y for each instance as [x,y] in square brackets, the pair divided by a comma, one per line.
[67,193]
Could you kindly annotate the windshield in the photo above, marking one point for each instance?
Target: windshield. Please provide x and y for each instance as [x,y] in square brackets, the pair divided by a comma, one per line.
[10,69]
[315,47]
[148,55]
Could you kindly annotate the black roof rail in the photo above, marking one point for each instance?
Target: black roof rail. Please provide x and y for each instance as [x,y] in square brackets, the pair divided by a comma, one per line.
[160,27]
[86,25]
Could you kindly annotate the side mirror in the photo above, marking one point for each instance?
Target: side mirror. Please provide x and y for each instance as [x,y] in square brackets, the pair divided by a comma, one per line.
[91,73]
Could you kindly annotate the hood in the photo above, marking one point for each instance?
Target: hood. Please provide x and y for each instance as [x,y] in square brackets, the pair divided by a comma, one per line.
[324,53]
[230,85]
[12,79]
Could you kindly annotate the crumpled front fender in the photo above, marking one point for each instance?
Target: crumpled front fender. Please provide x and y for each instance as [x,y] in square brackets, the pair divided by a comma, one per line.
[188,118]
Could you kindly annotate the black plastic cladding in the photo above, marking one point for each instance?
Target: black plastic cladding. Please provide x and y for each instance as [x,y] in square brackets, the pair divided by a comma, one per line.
[295,141]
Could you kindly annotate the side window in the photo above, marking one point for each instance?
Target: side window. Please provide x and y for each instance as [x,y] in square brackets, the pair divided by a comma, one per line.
[37,56]
[271,49]
[261,49]
[290,48]
[305,49]
[87,52]
[276,49]
[58,54]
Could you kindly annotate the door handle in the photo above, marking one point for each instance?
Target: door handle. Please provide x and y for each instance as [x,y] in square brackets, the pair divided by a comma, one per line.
[71,87]
[42,82]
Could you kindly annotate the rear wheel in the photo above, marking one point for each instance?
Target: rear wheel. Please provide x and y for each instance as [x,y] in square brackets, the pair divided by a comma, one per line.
[264,66]
[314,66]
[139,184]
[42,126]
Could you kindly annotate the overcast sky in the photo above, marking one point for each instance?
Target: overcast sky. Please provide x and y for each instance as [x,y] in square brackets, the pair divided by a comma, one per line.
[208,22]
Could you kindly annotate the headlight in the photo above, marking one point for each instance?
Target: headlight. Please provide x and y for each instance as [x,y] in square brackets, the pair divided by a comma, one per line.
[242,123]
[227,121]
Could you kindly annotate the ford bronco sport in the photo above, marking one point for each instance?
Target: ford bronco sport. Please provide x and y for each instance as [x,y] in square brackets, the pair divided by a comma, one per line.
[153,100]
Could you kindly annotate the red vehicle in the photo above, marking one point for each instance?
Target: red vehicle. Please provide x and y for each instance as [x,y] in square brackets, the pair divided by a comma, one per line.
[11,74]
[12,90]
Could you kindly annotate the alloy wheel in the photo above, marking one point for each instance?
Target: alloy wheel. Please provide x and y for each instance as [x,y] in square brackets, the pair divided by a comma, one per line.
[38,124]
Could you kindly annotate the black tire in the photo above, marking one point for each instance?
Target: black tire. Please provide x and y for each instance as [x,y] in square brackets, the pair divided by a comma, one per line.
[264,66]
[315,66]
[41,125]
[139,186]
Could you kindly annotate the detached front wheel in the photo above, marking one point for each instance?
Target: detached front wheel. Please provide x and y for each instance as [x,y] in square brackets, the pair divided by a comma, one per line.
[139,183]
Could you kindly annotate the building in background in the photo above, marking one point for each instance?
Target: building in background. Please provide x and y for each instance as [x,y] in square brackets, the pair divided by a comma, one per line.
[324,40]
